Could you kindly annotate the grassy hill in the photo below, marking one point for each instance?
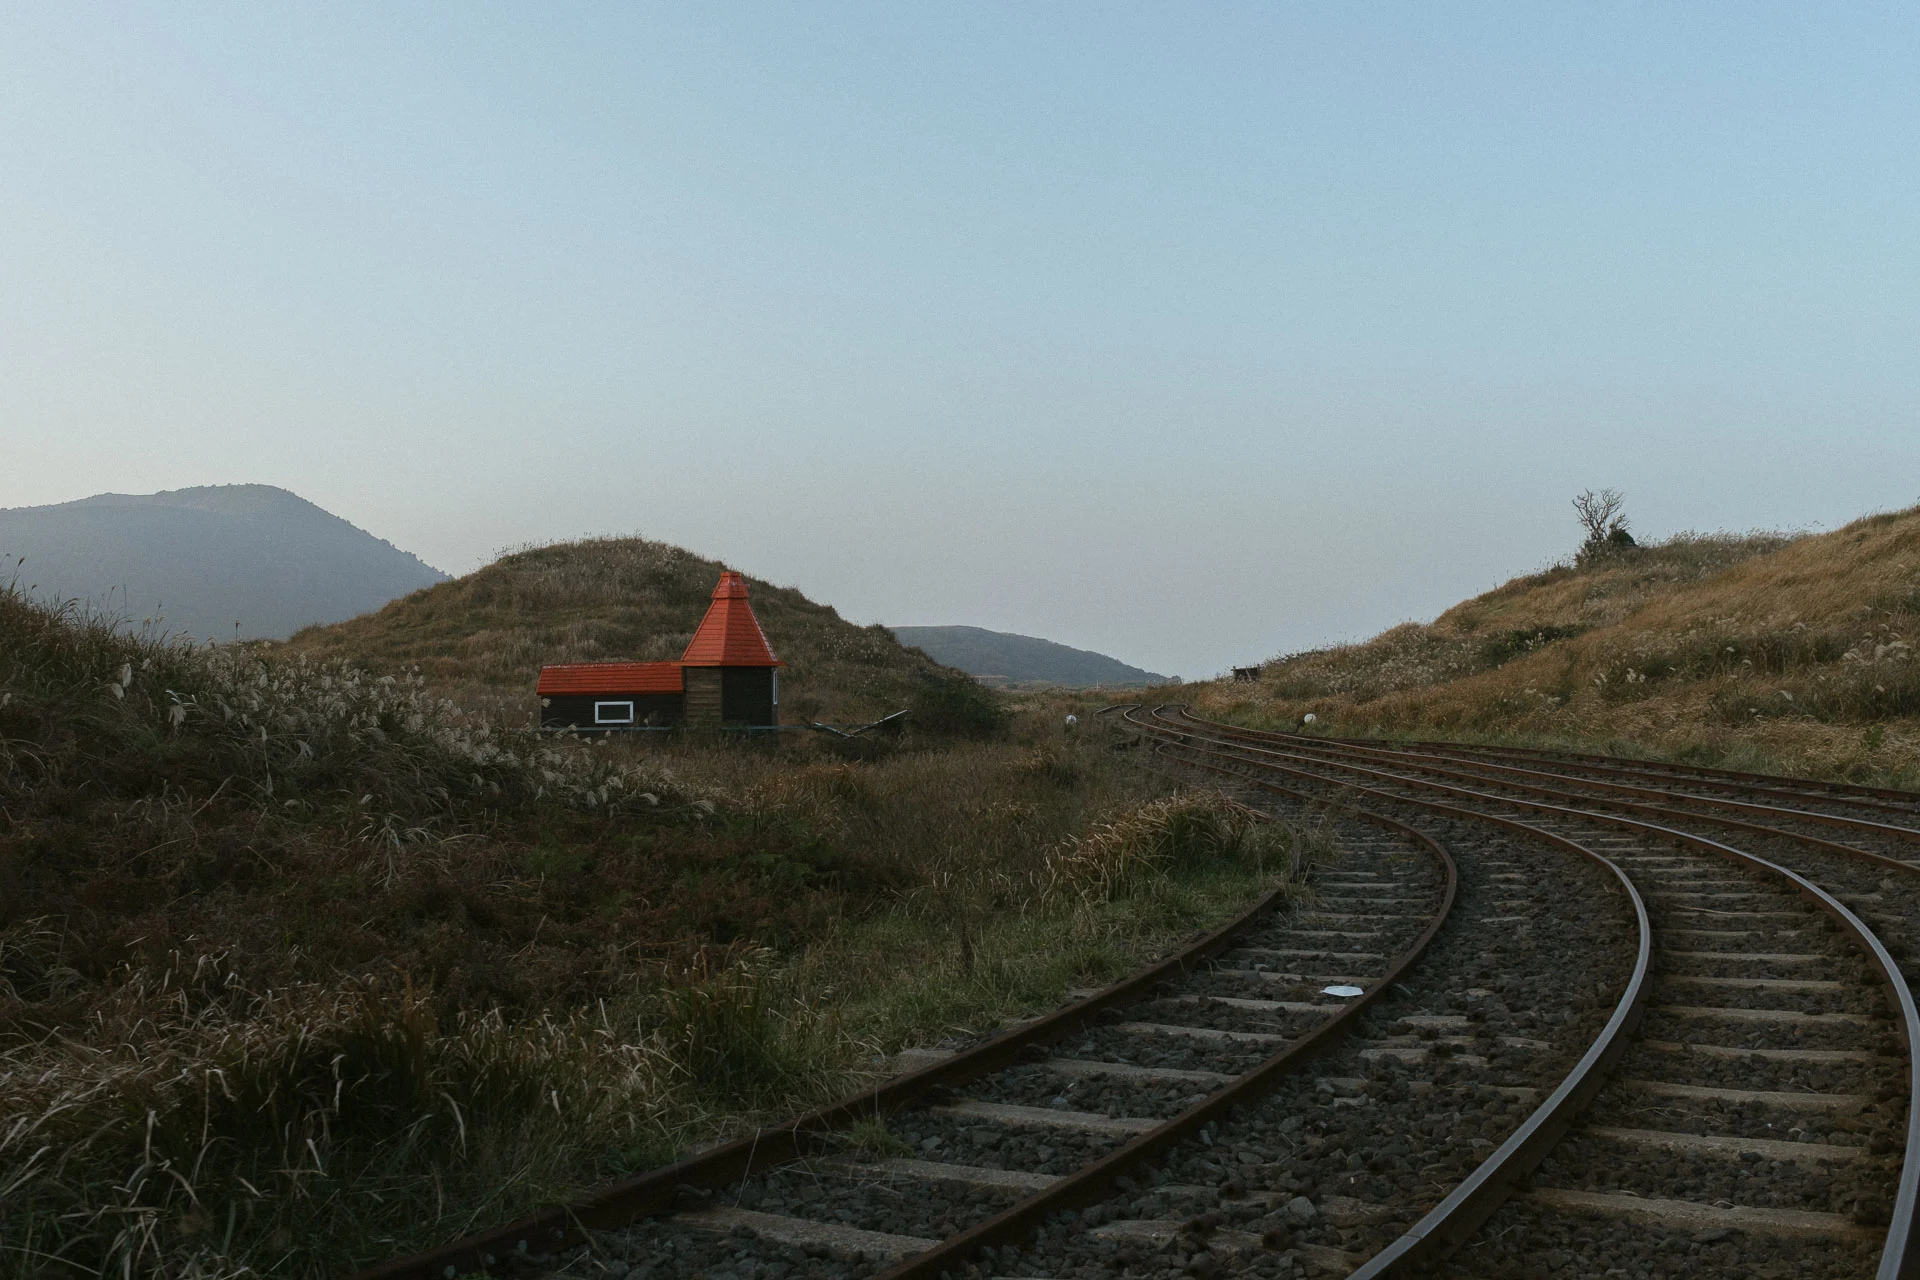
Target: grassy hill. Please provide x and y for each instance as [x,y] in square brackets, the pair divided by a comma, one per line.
[483,638]
[1794,653]
[1005,660]
[302,966]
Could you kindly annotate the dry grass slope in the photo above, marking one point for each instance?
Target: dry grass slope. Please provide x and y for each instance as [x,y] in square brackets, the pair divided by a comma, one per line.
[1765,651]
[482,639]
[302,966]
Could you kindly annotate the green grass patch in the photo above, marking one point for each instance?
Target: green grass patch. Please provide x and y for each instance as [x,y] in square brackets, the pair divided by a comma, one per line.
[904,981]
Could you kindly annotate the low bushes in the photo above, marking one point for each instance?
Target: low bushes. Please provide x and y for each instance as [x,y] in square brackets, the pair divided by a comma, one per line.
[957,707]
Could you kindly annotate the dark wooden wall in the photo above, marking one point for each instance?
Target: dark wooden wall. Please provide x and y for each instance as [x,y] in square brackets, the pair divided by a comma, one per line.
[746,696]
[714,696]
[576,709]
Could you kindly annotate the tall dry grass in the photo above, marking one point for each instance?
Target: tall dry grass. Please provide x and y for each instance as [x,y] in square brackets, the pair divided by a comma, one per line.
[192,1082]
[301,966]
[1151,842]
[202,1126]
[83,698]
[1766,651]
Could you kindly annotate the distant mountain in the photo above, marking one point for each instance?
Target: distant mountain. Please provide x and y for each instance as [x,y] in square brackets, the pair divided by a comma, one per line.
[1001,658]
[199,560]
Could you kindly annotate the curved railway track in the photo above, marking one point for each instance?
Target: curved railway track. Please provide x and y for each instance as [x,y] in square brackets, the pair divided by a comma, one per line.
[1612,1017]
[1744,1044]
[1228,1048]
[1700,776]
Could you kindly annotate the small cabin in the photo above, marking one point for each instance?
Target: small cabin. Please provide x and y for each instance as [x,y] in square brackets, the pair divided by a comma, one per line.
[727,676]
[612,695]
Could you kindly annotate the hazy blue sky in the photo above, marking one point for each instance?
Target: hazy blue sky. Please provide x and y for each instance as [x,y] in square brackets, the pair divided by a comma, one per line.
[1191,333]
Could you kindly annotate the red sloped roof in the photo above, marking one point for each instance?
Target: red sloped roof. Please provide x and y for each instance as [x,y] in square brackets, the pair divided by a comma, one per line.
[611,677]
[730,636]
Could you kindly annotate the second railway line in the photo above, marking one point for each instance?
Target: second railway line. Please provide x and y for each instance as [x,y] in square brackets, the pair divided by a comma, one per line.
[1742,1042]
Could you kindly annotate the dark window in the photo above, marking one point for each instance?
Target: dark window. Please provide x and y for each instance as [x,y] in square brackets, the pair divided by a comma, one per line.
[613,713]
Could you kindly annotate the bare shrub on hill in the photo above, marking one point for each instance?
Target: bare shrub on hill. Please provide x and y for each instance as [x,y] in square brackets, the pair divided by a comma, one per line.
[1602,516]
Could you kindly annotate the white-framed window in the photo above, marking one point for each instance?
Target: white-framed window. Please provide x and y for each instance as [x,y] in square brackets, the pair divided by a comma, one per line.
[613,713]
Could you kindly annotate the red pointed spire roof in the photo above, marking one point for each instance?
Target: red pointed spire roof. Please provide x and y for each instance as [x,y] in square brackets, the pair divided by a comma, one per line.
[730,636]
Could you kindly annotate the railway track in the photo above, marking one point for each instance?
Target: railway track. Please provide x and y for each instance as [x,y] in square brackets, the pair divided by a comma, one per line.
[1606,1018]
[1776,1010]
[982,1146]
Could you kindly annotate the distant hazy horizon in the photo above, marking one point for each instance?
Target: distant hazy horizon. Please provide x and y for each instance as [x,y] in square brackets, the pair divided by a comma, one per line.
[1190,335]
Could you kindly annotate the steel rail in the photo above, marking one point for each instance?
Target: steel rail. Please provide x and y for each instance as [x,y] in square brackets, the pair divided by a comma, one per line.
[1908,834]
[1906,800]
[1623,767]
[1096,1181]
[1484,1190]
[1449,1224]
[1644,807]
[1479,770]
[661,1190]
[1900,1255]
[1737,824]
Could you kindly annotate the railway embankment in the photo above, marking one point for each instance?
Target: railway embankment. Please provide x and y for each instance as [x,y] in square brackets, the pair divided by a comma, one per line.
[1796,654]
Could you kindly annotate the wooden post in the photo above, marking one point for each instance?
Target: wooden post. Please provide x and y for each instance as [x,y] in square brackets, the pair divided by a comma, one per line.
[703,696]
